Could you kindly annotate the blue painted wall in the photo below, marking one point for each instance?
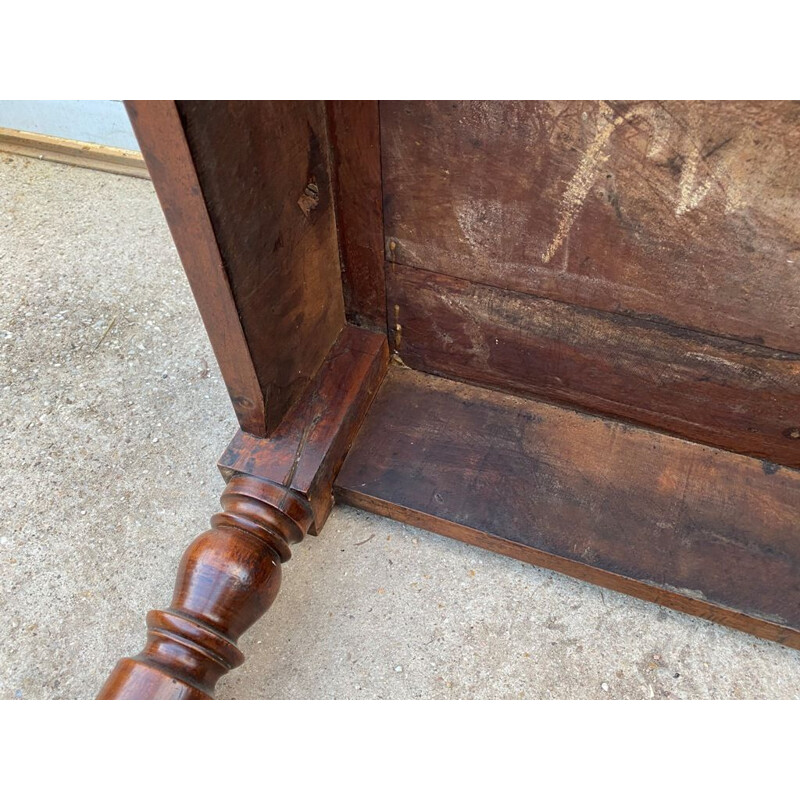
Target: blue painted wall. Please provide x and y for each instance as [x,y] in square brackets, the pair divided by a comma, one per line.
[98,121]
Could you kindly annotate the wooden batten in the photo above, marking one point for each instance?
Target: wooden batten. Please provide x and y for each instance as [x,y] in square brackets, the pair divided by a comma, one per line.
[77,154]
[634,259]
[356,149]
[741,397]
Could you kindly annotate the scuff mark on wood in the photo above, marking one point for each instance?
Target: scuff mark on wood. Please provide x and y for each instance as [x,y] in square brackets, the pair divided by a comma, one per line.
[398,328]
[584,177]
[309,199]
[690,192]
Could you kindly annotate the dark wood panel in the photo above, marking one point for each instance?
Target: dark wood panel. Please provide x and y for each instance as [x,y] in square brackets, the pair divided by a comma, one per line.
[356,146]
[702,530]
[684,211]
[741,397]
[265,177]
[161,137]
[306,450]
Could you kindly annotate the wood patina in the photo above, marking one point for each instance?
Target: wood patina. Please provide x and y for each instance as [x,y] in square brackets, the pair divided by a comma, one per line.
[592,314]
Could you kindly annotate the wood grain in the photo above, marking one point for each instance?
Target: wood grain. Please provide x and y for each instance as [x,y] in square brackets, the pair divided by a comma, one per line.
[89,155]
[227,578]
[308,447]
[355,143]
[702,530]
[161,137]
[684,212]
[745,398]
[264,172]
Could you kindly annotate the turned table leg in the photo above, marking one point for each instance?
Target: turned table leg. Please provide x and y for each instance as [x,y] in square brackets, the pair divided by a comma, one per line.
[227,579]
[279,490]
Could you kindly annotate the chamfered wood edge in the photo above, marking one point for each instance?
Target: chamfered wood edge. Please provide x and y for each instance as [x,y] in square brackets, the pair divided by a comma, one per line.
[608,580]
[88,155]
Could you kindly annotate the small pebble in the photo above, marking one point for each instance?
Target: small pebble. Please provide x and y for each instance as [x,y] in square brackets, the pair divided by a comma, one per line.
[604,687]
[398,668]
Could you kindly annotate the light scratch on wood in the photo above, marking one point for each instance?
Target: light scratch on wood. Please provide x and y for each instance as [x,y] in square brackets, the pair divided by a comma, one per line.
[581,182]
[690,194]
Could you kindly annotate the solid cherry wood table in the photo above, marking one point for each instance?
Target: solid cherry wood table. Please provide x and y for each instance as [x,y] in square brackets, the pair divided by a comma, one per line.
[564,331]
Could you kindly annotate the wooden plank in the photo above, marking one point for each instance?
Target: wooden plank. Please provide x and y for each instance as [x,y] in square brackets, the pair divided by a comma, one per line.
[710,389]
[355,142]
[701,530]
[306,450]
[680,211]
[160,134]
[77,154]
[264,172]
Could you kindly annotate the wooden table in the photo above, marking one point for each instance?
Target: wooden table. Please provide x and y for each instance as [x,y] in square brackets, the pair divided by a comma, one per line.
[567,332]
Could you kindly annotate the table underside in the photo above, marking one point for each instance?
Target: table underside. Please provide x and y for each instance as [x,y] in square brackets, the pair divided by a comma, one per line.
[590,310]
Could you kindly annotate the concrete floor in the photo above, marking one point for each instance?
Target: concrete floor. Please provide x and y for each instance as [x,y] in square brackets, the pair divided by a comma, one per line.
[112,414]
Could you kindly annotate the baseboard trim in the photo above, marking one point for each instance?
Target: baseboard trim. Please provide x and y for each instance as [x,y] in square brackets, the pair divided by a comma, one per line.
[78,154]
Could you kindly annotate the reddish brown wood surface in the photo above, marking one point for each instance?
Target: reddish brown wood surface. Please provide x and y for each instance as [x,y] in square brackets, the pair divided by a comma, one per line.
[711,389]
[279,489]
[264,172]
[307,449]
[702,530]
[161,137]
[684,212]
[355,143]
[227,579]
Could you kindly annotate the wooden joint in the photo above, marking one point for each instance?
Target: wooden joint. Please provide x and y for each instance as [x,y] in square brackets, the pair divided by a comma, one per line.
[307,449]
[278,491]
